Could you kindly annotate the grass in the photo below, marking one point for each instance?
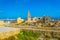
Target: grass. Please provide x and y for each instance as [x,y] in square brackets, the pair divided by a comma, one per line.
[28,35]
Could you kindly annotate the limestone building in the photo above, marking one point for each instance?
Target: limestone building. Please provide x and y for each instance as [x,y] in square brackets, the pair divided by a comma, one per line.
[46,19]
[19,20]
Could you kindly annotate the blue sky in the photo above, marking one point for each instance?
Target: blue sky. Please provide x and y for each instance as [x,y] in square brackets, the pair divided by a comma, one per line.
[19,8]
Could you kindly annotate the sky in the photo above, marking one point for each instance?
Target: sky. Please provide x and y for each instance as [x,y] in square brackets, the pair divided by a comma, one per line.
[37,8]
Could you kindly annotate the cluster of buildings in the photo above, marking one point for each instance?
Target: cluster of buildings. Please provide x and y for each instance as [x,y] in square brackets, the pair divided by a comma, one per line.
[45,20]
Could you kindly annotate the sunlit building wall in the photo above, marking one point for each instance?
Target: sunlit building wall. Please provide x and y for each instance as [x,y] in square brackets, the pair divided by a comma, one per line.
[19,20]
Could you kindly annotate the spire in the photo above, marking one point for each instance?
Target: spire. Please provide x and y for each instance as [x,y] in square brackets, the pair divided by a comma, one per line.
[29,19]
[28,13]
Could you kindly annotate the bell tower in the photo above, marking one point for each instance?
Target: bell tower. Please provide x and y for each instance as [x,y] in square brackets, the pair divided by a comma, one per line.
[29,17]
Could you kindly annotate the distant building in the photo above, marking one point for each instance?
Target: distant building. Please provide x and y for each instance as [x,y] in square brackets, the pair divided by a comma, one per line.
[45,19]
[35,19]
[19,20]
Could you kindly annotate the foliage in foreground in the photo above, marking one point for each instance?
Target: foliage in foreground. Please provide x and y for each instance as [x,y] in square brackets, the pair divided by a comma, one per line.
[28,35]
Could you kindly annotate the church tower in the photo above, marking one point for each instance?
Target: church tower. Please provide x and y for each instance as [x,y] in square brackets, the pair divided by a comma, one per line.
[29,17]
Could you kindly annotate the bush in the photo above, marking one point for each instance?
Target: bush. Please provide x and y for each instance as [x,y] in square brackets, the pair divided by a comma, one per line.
[28,35]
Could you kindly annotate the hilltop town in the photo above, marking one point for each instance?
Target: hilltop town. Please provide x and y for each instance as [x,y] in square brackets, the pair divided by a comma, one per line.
[47,28]
[44,21]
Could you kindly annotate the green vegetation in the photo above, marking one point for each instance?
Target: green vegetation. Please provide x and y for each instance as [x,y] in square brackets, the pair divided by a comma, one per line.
[28,35]
[25,35]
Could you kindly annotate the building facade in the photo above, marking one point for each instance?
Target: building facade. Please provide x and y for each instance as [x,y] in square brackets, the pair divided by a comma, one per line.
[46,19]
